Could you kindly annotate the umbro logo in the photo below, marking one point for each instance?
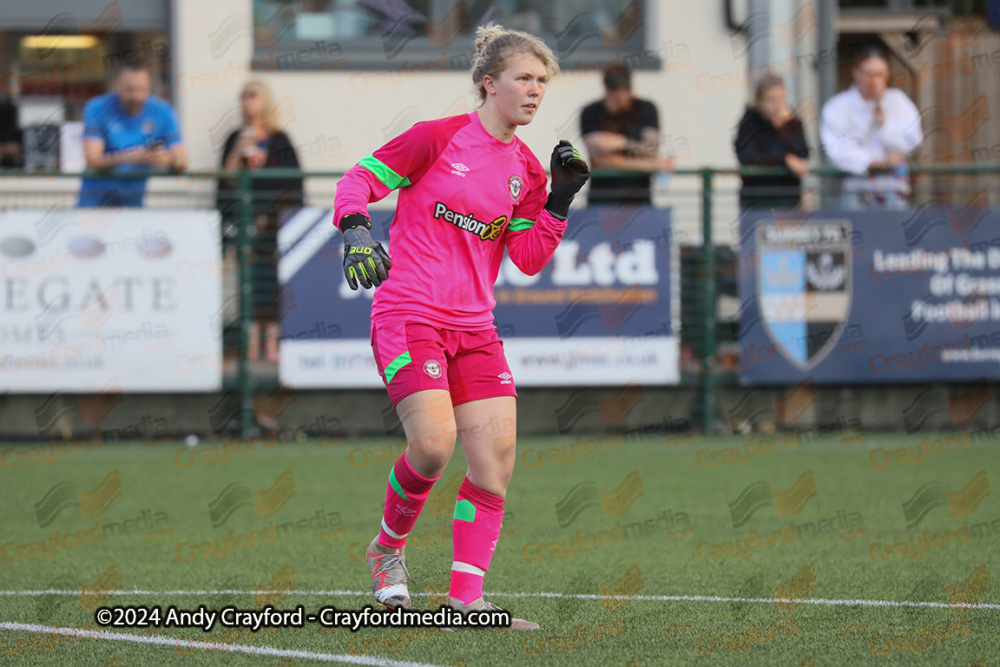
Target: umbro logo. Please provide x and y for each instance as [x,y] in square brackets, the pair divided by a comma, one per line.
[505,378]
[459,169]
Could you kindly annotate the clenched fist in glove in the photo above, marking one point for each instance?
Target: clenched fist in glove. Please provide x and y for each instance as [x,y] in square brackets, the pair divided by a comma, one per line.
[365,260]
[569,173]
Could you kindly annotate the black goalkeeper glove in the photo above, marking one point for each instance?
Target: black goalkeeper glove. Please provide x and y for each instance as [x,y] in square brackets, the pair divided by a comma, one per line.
[569,173]
[365,260]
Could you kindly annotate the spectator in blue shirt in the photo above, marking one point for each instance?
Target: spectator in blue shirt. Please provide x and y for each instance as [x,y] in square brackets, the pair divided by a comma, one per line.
[127,130]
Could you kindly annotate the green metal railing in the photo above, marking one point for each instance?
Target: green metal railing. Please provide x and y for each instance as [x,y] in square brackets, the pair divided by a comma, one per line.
[708,347]
[707,344]
[243,252]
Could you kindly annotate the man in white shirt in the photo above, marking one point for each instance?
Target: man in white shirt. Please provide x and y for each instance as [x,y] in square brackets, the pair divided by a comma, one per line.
[868,128]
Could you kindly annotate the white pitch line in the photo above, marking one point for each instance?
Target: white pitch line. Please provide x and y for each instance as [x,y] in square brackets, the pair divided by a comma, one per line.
[210,646]
[574,596]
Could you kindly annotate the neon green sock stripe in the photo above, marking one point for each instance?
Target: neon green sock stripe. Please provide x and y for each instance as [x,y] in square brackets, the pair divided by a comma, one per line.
[384,172]
[520,224]
[396,486]
[465,510]
[397,363]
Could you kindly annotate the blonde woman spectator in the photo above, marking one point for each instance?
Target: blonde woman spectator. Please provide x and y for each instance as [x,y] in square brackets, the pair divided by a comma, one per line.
[260,143]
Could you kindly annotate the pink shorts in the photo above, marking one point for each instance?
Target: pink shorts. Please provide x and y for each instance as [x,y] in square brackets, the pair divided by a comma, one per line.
[412,356]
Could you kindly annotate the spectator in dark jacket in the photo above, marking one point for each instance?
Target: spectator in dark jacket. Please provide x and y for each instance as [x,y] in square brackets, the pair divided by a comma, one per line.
[770,135]
[259,144]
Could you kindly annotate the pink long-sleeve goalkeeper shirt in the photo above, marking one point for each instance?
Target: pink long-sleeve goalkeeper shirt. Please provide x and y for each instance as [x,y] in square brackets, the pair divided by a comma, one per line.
[464,197]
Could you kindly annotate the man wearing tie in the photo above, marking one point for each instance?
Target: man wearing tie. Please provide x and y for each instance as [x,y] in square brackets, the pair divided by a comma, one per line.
[868,128]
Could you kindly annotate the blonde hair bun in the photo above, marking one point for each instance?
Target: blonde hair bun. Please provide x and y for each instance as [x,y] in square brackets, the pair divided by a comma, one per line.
[494,44]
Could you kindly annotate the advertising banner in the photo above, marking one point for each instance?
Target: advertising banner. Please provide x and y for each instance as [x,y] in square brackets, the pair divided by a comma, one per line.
[866,297]
[603,312]
[110,299]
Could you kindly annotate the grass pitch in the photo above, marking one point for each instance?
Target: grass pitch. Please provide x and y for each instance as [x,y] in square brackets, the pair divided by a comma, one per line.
[616,532]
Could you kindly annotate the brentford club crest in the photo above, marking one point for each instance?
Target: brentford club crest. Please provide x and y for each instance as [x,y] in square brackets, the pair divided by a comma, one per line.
[432,368]
[514,186]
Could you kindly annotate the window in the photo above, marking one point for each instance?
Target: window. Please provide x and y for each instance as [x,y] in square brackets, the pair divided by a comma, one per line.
[438,34]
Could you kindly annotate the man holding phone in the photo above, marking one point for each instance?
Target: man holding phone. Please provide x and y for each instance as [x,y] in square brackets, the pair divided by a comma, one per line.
[128,130]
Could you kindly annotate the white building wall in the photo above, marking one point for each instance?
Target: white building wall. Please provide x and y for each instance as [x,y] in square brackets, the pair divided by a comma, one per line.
[337,117]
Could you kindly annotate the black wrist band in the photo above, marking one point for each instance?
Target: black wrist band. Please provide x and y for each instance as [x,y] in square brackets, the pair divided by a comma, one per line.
[558,206]
[354,220]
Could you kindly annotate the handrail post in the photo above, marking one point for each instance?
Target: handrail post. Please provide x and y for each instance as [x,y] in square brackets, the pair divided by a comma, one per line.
[708,344]
[243,257]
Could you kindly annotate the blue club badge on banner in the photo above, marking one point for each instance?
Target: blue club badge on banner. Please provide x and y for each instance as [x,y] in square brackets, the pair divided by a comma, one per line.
[860,297]
[804,287]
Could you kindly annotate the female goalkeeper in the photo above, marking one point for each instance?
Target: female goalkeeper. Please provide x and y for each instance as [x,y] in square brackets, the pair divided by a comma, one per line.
[469,189]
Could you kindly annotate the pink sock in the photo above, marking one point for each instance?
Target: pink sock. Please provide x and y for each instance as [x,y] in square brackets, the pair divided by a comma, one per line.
[405,495]
[475,531]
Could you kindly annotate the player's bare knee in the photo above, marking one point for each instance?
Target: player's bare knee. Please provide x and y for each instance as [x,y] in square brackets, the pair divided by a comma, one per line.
[442,445]
[505,444]
[503,453]
[433,450]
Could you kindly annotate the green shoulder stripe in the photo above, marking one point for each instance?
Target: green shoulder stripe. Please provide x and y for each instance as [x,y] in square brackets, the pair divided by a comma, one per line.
[384,172]
[520,224]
